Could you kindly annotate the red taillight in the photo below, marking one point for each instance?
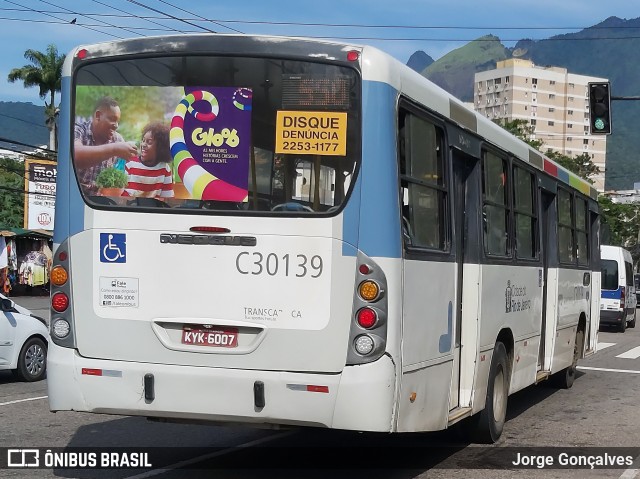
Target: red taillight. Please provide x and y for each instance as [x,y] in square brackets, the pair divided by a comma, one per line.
[59,302]
[92,372]
[353,55]
[209,229]
[622,297]
[367,318]
[317,389]
[364,269]
[82,54]
[62,255]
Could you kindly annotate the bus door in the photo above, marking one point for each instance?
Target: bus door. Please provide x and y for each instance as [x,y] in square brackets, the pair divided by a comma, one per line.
[591,335]
[464,209]
[549,275]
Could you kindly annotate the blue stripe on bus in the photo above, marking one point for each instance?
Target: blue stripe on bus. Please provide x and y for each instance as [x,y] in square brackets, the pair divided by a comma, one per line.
[378,202]
[68,199]
[611,294]
[350,221]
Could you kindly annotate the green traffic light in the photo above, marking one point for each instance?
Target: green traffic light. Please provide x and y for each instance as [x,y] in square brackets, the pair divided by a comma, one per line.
[600,108]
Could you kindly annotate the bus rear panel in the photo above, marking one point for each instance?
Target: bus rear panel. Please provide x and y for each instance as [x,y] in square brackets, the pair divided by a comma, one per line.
[221,301]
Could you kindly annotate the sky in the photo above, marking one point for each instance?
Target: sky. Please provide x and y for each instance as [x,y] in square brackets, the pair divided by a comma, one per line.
[399,27]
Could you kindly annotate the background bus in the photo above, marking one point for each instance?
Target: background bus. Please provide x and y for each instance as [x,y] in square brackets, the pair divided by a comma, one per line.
[343,244]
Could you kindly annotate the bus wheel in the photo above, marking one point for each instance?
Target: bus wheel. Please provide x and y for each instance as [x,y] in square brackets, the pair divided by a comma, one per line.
[490,421]
[623,325]
[564,379]
[632,323]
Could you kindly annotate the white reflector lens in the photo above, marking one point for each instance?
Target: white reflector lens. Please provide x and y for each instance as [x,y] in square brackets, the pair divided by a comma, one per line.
[364,344]
[61,328]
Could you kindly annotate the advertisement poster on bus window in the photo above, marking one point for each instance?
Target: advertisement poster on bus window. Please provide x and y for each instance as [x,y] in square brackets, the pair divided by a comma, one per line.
[165,142]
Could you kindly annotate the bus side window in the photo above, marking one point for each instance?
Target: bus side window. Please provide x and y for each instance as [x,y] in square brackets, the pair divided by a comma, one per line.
[495,209]
[423,190]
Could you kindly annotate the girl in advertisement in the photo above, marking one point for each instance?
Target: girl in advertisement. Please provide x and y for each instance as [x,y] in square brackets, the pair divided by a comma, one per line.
[149,175]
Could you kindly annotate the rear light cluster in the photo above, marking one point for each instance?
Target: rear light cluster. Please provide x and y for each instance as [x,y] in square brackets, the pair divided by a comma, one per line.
[622,297]
[369,326]
[61,317]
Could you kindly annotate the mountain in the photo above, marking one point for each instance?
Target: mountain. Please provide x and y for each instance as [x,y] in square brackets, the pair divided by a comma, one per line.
[610,49]
[419,61]
[454,71]
[23,123]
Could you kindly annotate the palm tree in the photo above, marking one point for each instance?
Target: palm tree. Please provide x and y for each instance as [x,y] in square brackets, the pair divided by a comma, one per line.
[45,72]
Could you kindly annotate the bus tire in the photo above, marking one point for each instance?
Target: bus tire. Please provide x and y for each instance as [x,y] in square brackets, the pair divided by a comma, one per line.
[564,379]
[623,325]
[490,421]
[632,323]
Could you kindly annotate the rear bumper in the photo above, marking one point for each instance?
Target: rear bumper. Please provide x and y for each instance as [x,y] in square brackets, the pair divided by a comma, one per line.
[359,398]
[611,317]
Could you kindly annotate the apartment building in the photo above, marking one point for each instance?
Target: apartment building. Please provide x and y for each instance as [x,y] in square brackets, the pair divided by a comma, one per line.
[553,101]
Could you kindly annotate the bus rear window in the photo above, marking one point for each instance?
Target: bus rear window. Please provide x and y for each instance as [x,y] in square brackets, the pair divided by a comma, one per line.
[217,133]
[609,270]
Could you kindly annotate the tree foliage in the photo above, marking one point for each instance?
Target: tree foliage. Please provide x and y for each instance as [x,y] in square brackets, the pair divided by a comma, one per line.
[618,221]
[619,225]
[521,129]
[44,72]
[12,192]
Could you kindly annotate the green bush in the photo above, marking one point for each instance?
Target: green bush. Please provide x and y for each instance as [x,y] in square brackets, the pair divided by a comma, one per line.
[111,178]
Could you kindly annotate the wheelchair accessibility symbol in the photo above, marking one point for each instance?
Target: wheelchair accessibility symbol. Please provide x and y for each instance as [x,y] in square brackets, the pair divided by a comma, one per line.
[113,248]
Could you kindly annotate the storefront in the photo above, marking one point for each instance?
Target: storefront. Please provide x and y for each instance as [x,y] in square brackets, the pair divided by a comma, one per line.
[25,261]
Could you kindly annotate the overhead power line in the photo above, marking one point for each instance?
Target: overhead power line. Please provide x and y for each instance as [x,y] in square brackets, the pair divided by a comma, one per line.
[221,22]
[62,19]
[129,15]
[170,16]
[64,22]
[331,25]
[200,18]
[21,119]
[86,15]
[336,37]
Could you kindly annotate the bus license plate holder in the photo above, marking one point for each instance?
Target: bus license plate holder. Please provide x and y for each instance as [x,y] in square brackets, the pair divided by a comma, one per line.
[215,337]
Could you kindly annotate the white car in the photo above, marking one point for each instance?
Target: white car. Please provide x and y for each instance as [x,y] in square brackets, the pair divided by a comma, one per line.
[24,339]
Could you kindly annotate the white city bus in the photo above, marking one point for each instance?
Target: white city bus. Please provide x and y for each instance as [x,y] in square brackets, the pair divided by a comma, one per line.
[343,245]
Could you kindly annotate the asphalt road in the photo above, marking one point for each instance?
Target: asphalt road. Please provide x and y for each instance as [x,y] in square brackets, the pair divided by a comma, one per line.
[601,410]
